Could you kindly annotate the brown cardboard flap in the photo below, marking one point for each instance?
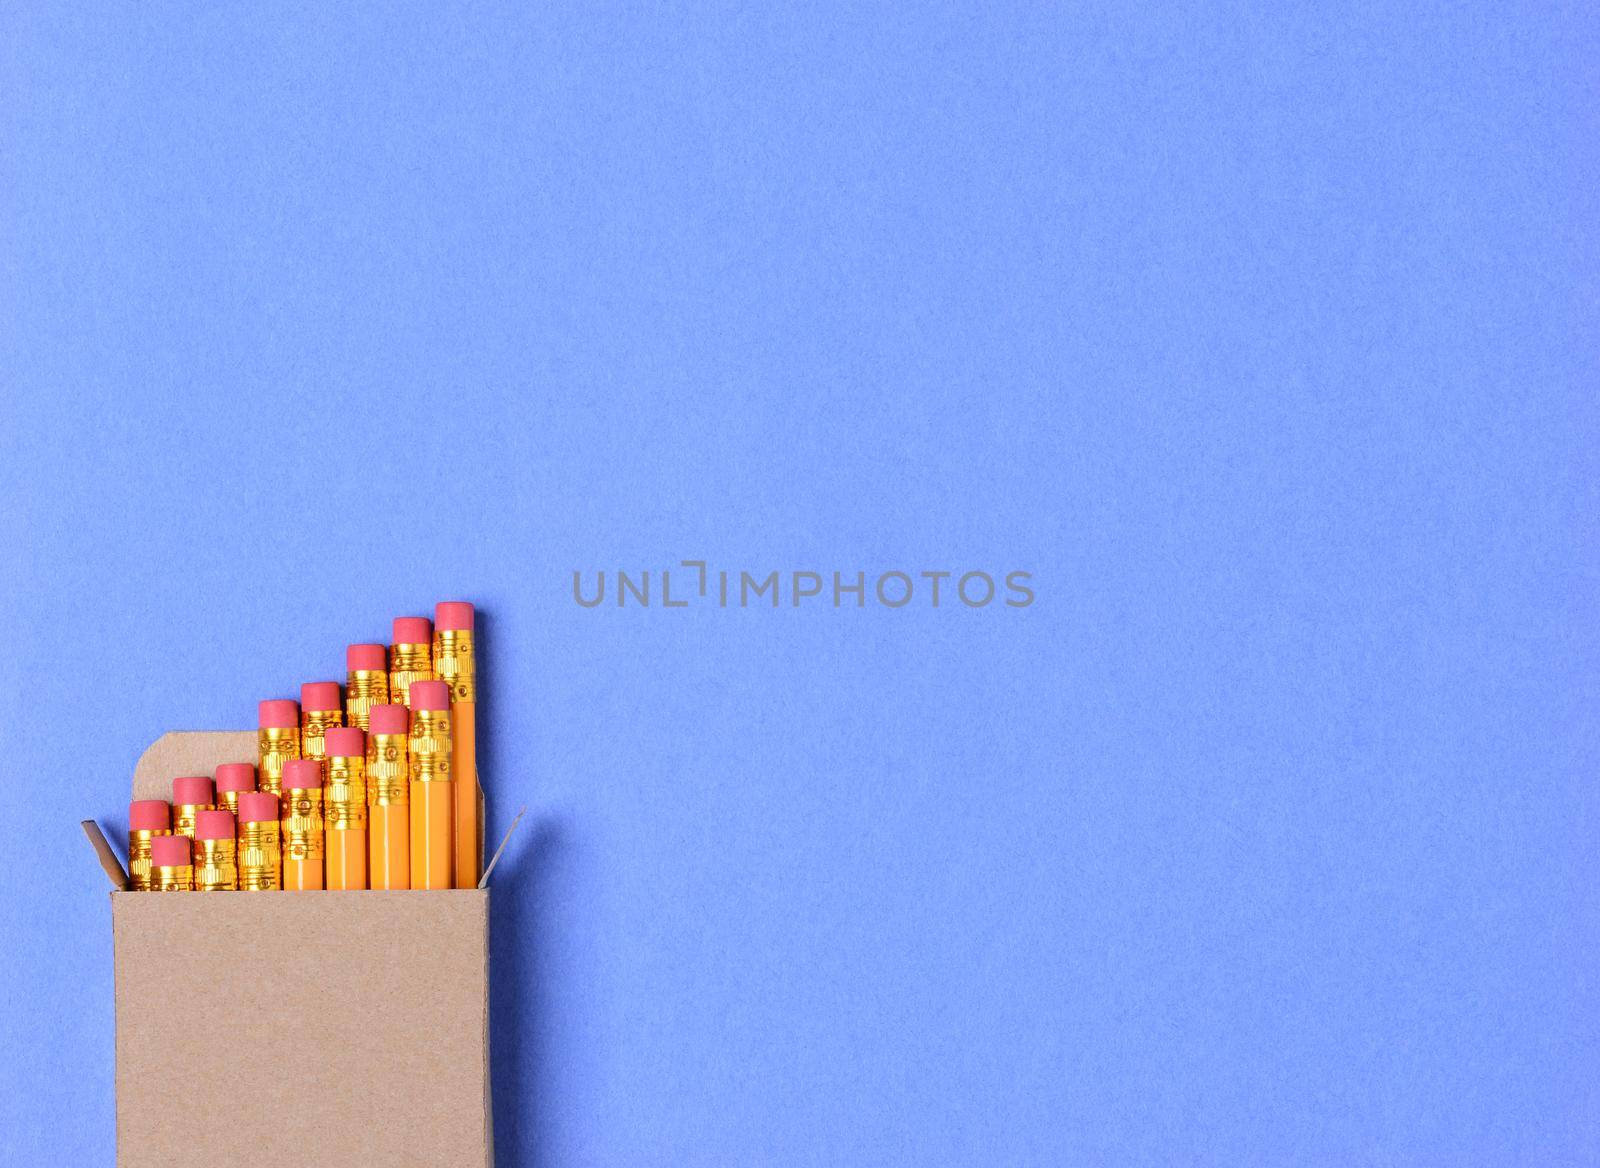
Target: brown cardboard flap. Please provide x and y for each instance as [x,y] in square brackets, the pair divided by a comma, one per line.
[189,752]
[115,872]
[302,1028]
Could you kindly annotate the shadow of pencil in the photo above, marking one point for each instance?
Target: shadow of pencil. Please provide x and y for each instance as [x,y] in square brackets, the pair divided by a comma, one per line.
[519,1003]
[519,946]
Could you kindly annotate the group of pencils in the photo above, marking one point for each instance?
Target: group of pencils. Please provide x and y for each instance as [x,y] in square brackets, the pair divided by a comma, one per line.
[372,785]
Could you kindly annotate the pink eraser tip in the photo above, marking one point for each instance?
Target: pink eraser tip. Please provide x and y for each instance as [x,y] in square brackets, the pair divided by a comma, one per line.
[430,695]
[170,851]
[236,776]
[412,630]
[389,719]
[366,657]
[258,807]
[303,774]
[345,742]
[278,714]
[149,815]
[453,616]
[195,790]
[321,696]
[213,825]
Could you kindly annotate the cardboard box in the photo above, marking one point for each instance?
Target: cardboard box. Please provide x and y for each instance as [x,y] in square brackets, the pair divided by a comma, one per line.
[297,1028]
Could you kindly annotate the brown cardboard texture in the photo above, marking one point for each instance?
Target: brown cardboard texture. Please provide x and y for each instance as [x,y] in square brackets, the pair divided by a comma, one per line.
[298,1028]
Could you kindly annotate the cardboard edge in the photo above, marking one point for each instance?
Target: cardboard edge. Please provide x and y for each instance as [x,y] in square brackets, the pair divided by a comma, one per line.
[483,881]
[155,755]
[483,820]
[488,1064]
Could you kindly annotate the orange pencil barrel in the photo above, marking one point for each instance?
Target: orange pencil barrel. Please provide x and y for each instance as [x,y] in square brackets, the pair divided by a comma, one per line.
[455,662]
[432,796]
[410,657]
[301,825]
[344,807]
[468,818]
[432,814]
[366,683]
[389,797]
[347,859]
[147,819]
[278,740]
[389,845]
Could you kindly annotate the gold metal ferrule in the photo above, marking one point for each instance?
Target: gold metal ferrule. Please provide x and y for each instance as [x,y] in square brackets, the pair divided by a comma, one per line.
[455,664]
[260,857]
[408,663]
[230,801]
[216,866]
[140,878]
[178,878]
[344,794]
[388,770]
[429,748]
[365,688]
[276,745]
[183,817]
[314,724]
[301,822]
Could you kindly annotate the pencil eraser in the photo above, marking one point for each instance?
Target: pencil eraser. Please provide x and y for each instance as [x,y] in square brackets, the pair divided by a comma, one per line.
[213,825]
[194,790]
[149,815]
[278,714]
[236,776]
[430,695]
[345,742]
[453,616]
[258,807]
[303,774]
[412,630]
[321,696]
[366,657]
[170,851]
[389,719]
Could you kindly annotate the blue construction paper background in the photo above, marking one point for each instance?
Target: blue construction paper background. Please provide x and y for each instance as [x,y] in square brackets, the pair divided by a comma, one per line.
[1263,336]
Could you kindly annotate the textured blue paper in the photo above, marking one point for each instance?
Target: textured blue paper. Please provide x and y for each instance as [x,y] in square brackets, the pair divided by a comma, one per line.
[1265,340]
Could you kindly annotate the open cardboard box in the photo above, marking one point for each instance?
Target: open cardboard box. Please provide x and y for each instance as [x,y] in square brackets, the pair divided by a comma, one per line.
[299,1029]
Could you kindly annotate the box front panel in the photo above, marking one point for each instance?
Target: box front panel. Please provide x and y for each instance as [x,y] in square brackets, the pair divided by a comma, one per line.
[302,1028]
